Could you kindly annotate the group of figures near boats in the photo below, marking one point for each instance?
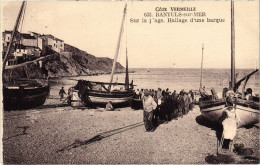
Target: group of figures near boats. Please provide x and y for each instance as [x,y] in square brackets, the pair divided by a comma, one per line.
[164,106]
[19,94]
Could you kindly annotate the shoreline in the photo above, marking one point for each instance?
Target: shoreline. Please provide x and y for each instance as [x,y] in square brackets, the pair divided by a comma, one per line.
[91,74]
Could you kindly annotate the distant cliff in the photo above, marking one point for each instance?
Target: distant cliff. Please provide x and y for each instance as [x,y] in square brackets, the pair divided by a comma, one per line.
[71,62]
[82,63]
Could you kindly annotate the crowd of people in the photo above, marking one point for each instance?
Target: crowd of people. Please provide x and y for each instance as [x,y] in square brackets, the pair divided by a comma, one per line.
[163,105]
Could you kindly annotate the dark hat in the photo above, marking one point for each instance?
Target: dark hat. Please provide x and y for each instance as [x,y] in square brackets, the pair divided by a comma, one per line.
[146,92]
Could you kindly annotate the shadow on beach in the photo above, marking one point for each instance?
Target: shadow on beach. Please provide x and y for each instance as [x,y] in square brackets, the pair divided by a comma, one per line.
[238,149]
[24,132]
[51,106]
[100,136]
[201,120]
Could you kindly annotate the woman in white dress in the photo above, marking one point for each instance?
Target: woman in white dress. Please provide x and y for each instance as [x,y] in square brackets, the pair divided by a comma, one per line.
[231,120]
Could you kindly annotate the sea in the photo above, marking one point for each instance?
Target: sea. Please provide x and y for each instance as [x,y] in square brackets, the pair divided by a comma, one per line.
[174,79]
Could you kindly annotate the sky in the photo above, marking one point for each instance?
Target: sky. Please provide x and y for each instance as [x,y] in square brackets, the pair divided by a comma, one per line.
[94,27]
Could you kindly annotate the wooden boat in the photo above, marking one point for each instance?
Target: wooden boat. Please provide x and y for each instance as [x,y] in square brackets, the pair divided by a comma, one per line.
[137,104]
[89,93]
[23,94]
[100,93]
[248,110]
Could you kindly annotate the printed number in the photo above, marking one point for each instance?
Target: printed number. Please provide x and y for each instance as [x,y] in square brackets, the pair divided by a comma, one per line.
[148,14]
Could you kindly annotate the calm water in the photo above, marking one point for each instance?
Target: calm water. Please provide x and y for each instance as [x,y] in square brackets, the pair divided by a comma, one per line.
[175,79]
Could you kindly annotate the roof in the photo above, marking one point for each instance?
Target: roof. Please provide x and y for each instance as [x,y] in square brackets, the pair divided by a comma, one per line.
[35,33]
[10,32]
[58,39]
[6,31]
[50,36]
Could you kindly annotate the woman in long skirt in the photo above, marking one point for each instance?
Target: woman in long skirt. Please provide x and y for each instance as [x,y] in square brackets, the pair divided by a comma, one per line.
[231,121]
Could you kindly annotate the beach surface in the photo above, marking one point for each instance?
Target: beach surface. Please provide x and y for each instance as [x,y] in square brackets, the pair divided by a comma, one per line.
[56,133]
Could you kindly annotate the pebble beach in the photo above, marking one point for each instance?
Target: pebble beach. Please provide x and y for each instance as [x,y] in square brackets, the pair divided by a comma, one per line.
[56,133]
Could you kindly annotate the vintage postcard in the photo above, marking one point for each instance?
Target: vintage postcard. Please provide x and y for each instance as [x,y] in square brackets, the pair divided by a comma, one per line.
[130,82]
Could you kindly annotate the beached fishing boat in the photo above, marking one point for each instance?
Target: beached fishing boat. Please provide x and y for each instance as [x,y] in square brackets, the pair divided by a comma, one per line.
[22,94]
[211,106]
[88,93]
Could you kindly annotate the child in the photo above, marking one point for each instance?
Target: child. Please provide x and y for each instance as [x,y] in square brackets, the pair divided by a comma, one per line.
[61,93]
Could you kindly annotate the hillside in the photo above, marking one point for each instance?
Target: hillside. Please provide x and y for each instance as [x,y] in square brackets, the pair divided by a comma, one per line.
[71,62]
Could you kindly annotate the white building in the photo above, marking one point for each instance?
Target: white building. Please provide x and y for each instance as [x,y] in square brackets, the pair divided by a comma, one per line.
[56,44]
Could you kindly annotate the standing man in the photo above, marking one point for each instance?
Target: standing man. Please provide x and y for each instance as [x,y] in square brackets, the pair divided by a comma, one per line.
[159,102]
[168,107]
[141,94]
[137,93]
[175,105]
[180,104]
[192,96]
[149,107]
[186,103]
[61,93]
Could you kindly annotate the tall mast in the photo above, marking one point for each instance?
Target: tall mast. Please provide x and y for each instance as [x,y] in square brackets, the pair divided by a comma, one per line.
[201,66]
[126,73]
[232,47]
[117,49]
[13,34]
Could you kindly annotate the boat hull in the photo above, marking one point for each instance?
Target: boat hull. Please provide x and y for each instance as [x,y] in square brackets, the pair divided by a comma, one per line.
[101,98]
[15,98]
[104,100]
[247,111]
[136,104]
[118,97]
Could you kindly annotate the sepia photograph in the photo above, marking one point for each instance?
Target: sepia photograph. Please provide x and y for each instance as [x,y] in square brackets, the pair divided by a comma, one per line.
[130,82]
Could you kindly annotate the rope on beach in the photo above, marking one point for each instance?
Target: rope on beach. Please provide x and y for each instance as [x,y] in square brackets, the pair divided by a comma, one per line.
[100,136]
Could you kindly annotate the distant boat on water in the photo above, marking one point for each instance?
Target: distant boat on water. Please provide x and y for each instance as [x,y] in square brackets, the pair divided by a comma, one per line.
[23,93]
[88,93]
[248,110]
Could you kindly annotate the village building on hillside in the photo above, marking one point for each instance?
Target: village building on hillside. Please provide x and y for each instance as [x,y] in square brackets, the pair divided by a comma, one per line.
[30,46]
[56,44]
[6,38]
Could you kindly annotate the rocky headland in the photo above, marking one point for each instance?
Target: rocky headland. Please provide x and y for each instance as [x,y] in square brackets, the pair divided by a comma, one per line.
[71,62]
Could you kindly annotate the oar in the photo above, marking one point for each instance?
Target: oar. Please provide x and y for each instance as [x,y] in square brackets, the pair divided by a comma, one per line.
[65,99]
